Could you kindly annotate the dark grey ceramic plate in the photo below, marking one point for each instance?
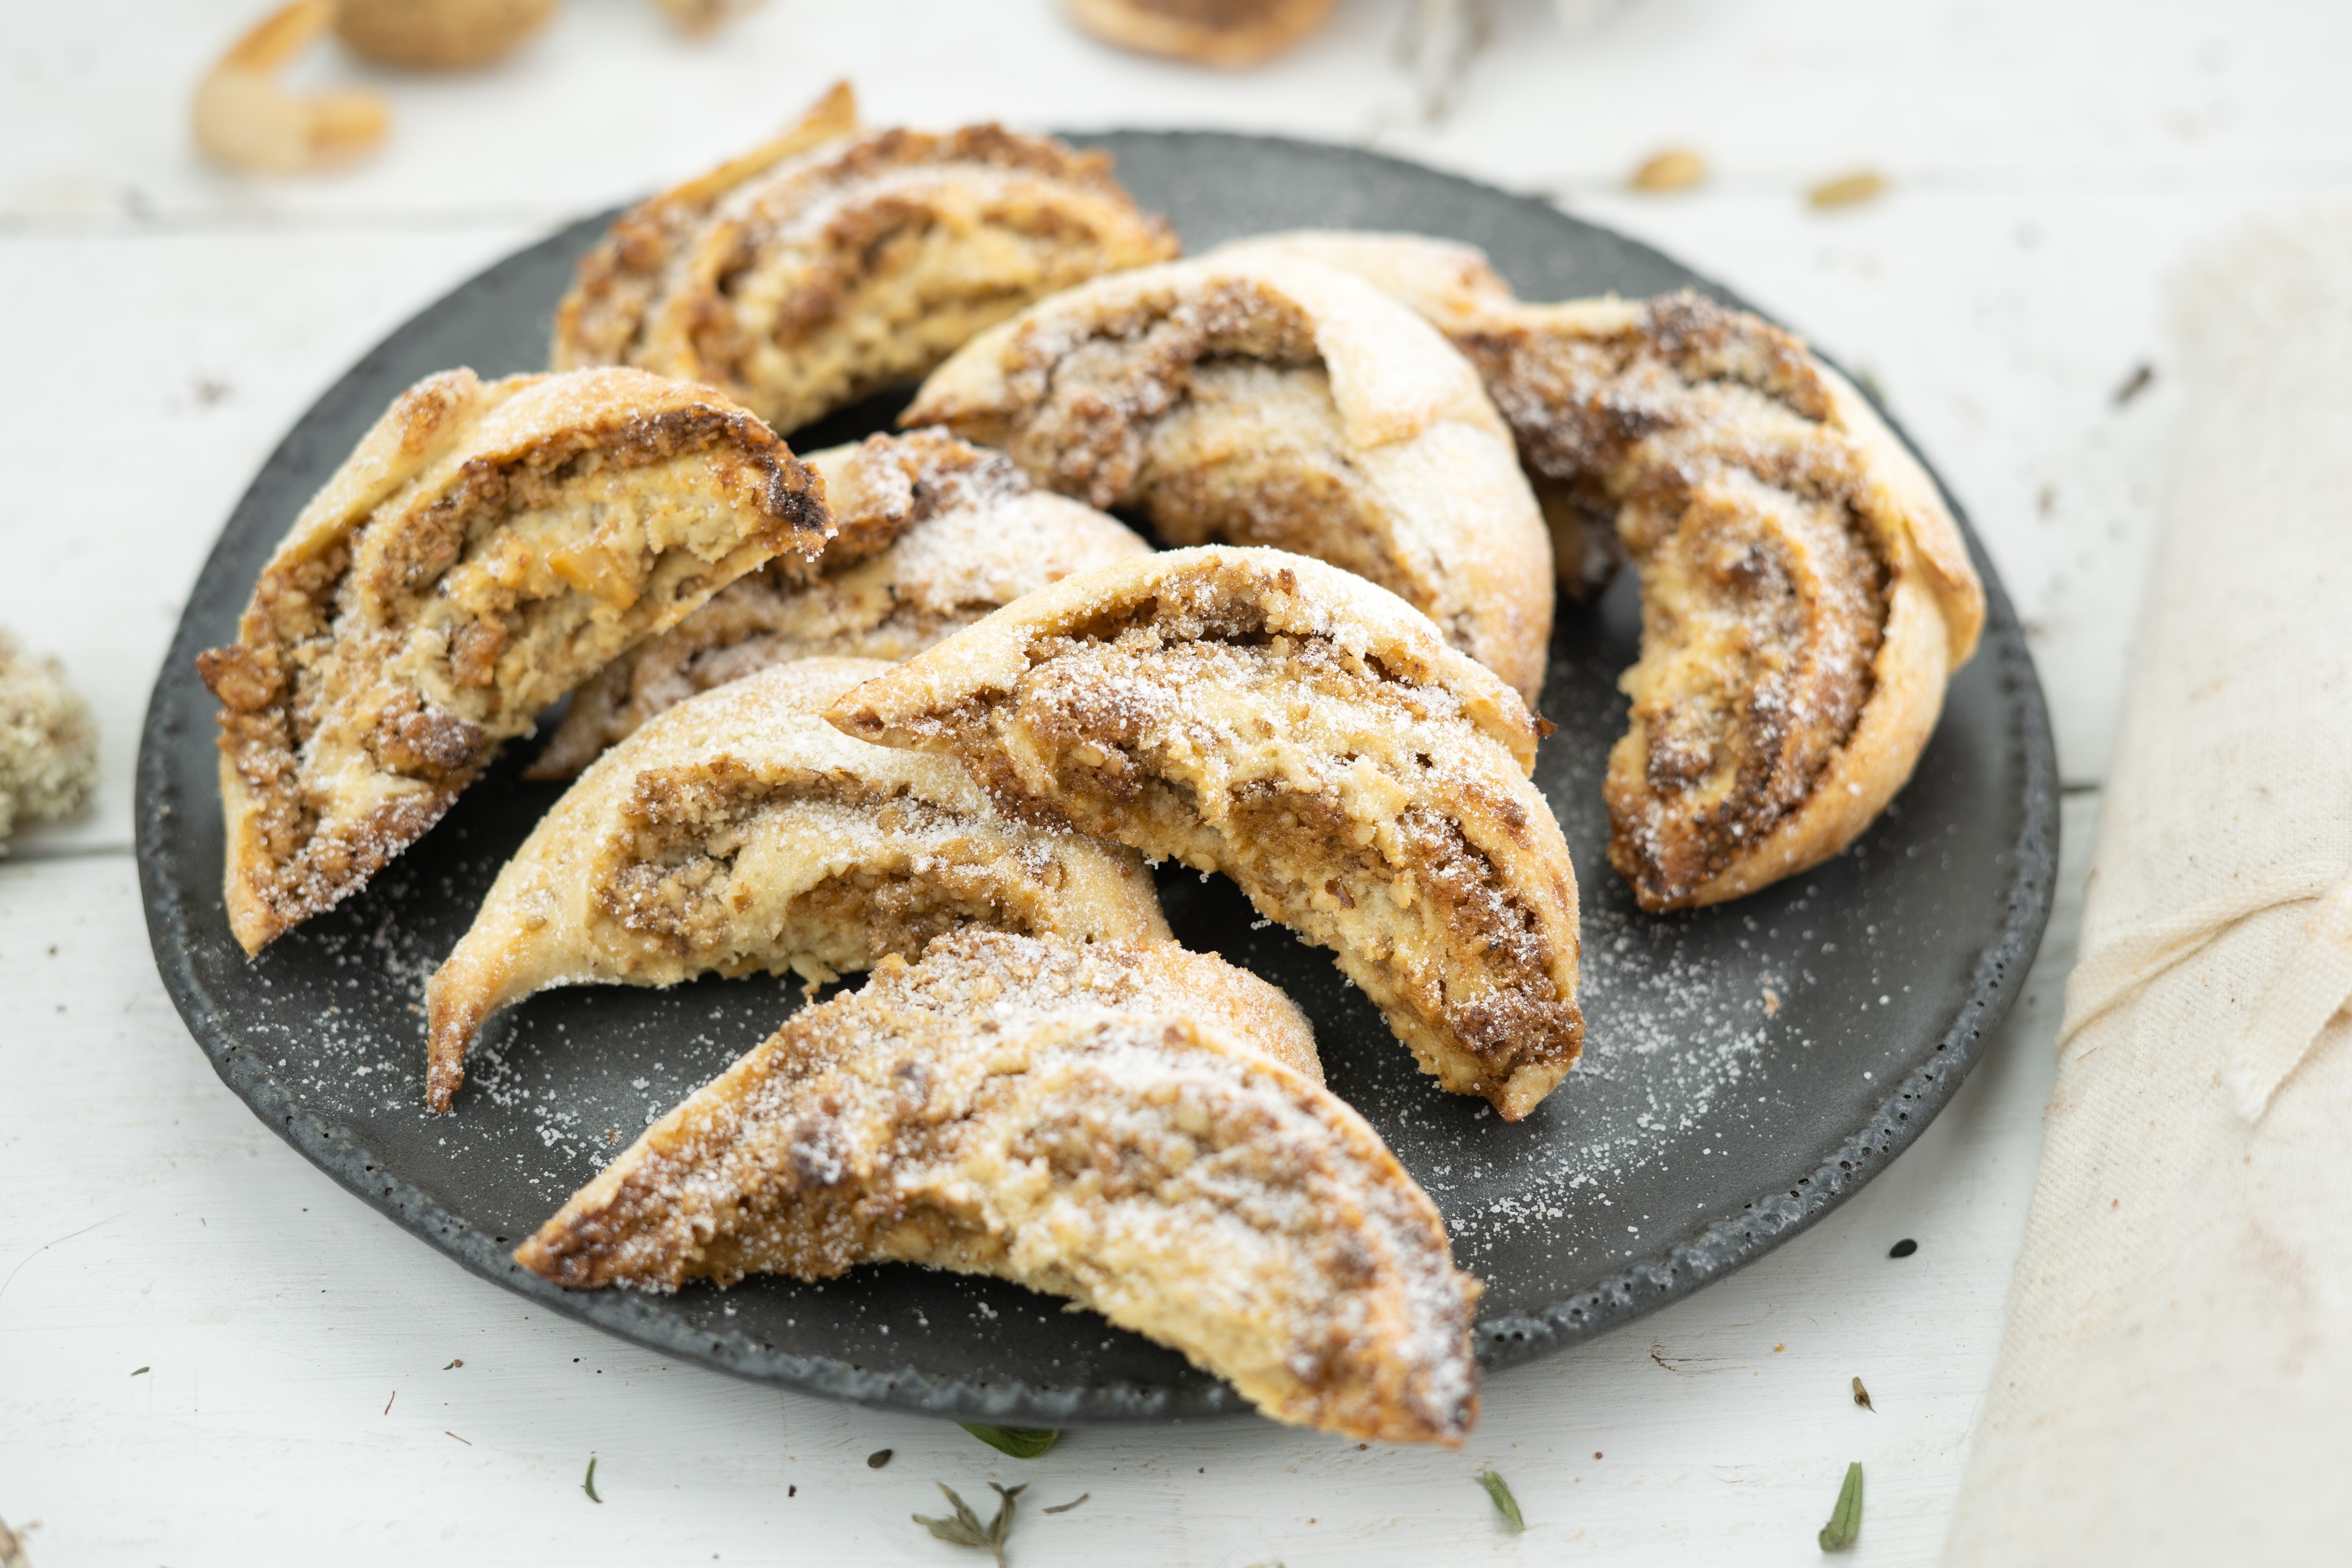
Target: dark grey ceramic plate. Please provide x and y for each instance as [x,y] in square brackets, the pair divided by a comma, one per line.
[1700,1130]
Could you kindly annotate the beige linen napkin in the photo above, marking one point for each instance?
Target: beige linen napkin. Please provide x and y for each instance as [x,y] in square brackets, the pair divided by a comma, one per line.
[2175,1382]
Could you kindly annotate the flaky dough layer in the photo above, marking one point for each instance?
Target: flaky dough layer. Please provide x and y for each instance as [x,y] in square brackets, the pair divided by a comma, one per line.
[1277,402]
[740,833]
[486,547]
[1806,593]
[800,284]
[1312,737]
[1105,1123]
[931,534]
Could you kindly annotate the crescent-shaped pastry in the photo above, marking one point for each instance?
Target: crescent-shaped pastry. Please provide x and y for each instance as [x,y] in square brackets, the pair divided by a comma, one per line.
[486,547]
[1111,1123]
[600,319]
[1312,737]
[797,285]
[1272,401]
[739,833]
[1806,594]
[932,534]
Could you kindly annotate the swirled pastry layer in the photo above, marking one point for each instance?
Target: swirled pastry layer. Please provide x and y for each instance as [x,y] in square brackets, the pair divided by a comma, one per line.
[800,284]
[931,534]
[1108,1123]
[1313,737]
[1275,402]
[1806,593]
[737,833]
[486,547]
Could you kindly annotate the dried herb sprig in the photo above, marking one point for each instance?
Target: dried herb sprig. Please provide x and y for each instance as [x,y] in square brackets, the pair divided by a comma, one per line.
[965,1529]
[1066,1507]
[1021,1442]
[1846,1521]
[1505,1503]
[587,1485]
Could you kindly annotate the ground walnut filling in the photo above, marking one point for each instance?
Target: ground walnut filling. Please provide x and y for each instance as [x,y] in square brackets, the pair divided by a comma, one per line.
[860,267]
[931,534]
[1321,787]
[676,885]
[1106,1121]
[379,667]
[1703,433]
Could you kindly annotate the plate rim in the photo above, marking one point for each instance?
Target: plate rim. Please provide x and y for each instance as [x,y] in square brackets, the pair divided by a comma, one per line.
[1662,1273]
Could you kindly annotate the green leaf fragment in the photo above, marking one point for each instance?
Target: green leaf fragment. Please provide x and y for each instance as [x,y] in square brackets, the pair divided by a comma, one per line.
[588,1484]
[965,1529]
[1505,1503]
[1845,1522]
[142,1369]
[1021,1442]
[1066,1507]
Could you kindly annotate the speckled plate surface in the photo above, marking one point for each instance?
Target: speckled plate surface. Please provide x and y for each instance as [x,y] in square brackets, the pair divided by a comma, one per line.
[1699,1131]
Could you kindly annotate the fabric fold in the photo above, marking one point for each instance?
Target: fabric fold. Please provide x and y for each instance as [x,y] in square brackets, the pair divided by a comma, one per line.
[2174,1385]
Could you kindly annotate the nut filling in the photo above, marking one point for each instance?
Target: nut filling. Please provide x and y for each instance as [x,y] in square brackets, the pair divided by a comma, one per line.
[853,268]
[1366,813]
[690,875]
[385,654]
[932,534]
[1705,434]
[739,833]
[1104,1122]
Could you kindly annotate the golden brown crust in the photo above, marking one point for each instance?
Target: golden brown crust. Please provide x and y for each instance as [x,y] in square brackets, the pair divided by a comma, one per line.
[740,833]
[931,535]
[1228,32]
[1104,1123]
[485,547]
[1311,736]
[1262,400]
[1805,591]
[857,265]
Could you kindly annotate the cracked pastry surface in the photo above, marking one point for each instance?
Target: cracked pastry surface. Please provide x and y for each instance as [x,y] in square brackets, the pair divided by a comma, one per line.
[930,534]
[826,268]
[741,833]
[1108,1123]
[1312,737]
[1268,401]
[485,547]
[1805,592]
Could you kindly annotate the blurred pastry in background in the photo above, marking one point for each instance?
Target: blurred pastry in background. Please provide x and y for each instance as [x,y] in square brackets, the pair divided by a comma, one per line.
[932,534]
[1206,32]
[244,116]
[800,284]
[440,35]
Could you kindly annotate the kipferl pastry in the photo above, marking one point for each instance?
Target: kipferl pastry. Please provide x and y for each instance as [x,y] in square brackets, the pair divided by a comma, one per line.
[740,833]
[1311,736]
[1806,594]
[1268,401]
[799,281]
[932,533]
[1121,1125]
[486,547]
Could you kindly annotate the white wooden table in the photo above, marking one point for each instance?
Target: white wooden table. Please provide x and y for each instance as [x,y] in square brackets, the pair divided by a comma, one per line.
[210,1353]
